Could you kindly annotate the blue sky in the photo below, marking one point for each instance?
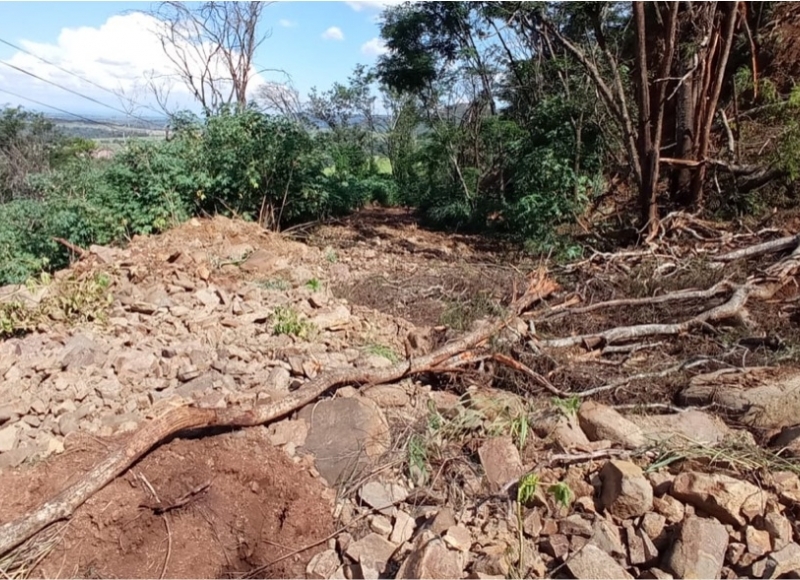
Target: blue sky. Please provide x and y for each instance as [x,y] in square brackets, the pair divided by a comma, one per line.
[317,43]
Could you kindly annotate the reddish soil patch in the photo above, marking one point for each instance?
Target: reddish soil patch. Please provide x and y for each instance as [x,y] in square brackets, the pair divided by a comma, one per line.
[258,507]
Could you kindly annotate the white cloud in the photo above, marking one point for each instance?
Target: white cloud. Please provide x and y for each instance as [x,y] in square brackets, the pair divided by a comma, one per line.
[333,33]
[286,23]
[119,55]
[359,5]
[374,47]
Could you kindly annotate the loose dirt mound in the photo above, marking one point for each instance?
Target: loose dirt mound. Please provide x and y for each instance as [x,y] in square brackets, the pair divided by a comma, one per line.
[240,505]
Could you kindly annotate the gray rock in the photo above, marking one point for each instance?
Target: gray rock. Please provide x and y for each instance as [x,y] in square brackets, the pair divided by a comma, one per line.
[575,525]
[9,414]
[8,437]
[109,390]
[655,574]
[458,538]
[779,529]
[784,561]
[640,547]
[332,318]
[653,524]
[403,529]
[593,563]
[606,536]
[288,431]
[382,496]
[280,379]
[601,422]
[758,542]
[561,428]
[323,565]
[380,525]
[188,373]
[199,385]
[699,551]
[626,492]
[443,520]
[762,397]
[670,508]
[15,457]
[372,551]
[80,351]
[135,363]
[207,297]
[732,501]
[387,395]
[68,423]
[556,546]
[693,425]
[345,436]
[501,461]
[430,558]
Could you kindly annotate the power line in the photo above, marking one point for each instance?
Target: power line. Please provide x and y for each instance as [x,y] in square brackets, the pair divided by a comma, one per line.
[62,87]
[81,117]
[76,75]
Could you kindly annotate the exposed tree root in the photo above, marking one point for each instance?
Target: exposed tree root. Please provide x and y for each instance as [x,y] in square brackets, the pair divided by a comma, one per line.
[180,419]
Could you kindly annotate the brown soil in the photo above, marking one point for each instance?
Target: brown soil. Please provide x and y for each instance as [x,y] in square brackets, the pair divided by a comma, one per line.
[427,277]
[257,508]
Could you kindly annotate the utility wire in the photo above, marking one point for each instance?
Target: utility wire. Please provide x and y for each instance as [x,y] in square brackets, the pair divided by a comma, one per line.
[81,117]
[76,75]
[62,87]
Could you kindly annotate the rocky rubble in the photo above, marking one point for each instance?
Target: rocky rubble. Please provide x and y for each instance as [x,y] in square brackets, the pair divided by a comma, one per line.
[215,315]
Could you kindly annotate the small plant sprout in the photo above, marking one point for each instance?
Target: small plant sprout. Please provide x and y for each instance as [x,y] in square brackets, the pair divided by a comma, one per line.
[417,459]
[314,285]
[382,350]
[286,320]
[331,256]
[568,406]
[526,488]
[519,431]
[562,493]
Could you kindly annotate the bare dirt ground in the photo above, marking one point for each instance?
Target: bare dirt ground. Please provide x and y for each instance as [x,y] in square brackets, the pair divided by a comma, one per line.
[240,505]
[192,319]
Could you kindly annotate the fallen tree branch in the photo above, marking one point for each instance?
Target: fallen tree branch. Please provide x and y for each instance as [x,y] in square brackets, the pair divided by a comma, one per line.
[72,247]
[718,288]
[733,308]
[64,504]
[760,249]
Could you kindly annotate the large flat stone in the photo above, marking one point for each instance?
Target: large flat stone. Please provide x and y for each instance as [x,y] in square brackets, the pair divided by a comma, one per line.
[345,436]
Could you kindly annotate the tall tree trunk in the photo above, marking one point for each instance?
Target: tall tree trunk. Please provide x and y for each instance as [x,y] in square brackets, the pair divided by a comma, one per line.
[648,203]
[684,130]
[715,76]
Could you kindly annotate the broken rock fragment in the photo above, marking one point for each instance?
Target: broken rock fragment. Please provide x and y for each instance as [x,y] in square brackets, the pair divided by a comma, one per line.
[593,563]
[626,492]
[430,558]
[700,549]
[732,501]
